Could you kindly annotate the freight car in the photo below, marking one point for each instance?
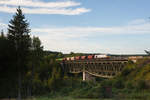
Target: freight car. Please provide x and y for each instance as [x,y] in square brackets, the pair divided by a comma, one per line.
[83,57]
[68,58]
[89,57]
[77,58]
[72,58]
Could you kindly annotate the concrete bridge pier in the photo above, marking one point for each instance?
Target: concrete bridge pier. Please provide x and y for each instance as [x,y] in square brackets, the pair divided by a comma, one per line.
[87,77]
[84,77]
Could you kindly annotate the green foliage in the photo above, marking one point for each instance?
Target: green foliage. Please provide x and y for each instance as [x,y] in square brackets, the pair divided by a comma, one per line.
[140,84]
[55,80]
[128,69]
[72,54]
[129,85]
[7,68]
[40,72]
[18,35]
[119,83]
[106,89]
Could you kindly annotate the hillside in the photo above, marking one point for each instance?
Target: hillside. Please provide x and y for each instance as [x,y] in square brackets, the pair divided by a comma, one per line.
[139,71]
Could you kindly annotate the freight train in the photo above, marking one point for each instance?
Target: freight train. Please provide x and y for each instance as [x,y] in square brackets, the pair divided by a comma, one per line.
[107,56]
[86,57]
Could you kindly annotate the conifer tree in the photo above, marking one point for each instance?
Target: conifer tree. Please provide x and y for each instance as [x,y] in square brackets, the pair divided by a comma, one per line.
[2,33]
[18,34]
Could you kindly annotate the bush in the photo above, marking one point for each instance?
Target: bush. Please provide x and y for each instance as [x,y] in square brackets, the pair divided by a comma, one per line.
[141,85]
[106,89]
[129,85]
[125,72]
[118,84]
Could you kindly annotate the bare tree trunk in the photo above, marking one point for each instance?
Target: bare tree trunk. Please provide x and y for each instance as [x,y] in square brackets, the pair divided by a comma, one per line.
[28,90]
[19,85]
[19,81]
[33,74]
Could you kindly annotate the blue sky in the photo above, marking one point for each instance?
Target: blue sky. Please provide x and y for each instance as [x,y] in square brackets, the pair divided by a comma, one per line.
[95,26]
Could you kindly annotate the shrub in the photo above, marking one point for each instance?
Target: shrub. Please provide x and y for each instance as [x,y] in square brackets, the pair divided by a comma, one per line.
[129,85]
[125,72]
[141,84]
[119,83]
[106,89]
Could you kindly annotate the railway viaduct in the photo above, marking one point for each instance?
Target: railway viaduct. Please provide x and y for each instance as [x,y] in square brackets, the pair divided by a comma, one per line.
[106,68]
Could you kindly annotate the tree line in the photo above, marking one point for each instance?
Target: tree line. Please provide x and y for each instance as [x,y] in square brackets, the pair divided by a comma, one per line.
[25,68]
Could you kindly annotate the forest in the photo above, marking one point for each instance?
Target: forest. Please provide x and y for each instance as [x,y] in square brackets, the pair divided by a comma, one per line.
[27,71]
[25,68]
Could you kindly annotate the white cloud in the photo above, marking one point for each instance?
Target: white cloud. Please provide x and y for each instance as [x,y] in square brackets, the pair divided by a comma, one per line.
[82,39]
[33,3]
[3,26]
[138,21]
[76,39]
[76,32]
[63,11]
[65,45]
[38,7]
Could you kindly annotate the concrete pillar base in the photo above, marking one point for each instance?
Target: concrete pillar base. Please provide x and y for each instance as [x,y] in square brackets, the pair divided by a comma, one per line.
[88,77]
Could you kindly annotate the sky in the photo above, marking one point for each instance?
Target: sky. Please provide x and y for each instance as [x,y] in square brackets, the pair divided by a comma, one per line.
[85,26]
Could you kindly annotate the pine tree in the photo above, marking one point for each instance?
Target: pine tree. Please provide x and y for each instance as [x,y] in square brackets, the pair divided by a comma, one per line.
[2,34]
[18,34]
